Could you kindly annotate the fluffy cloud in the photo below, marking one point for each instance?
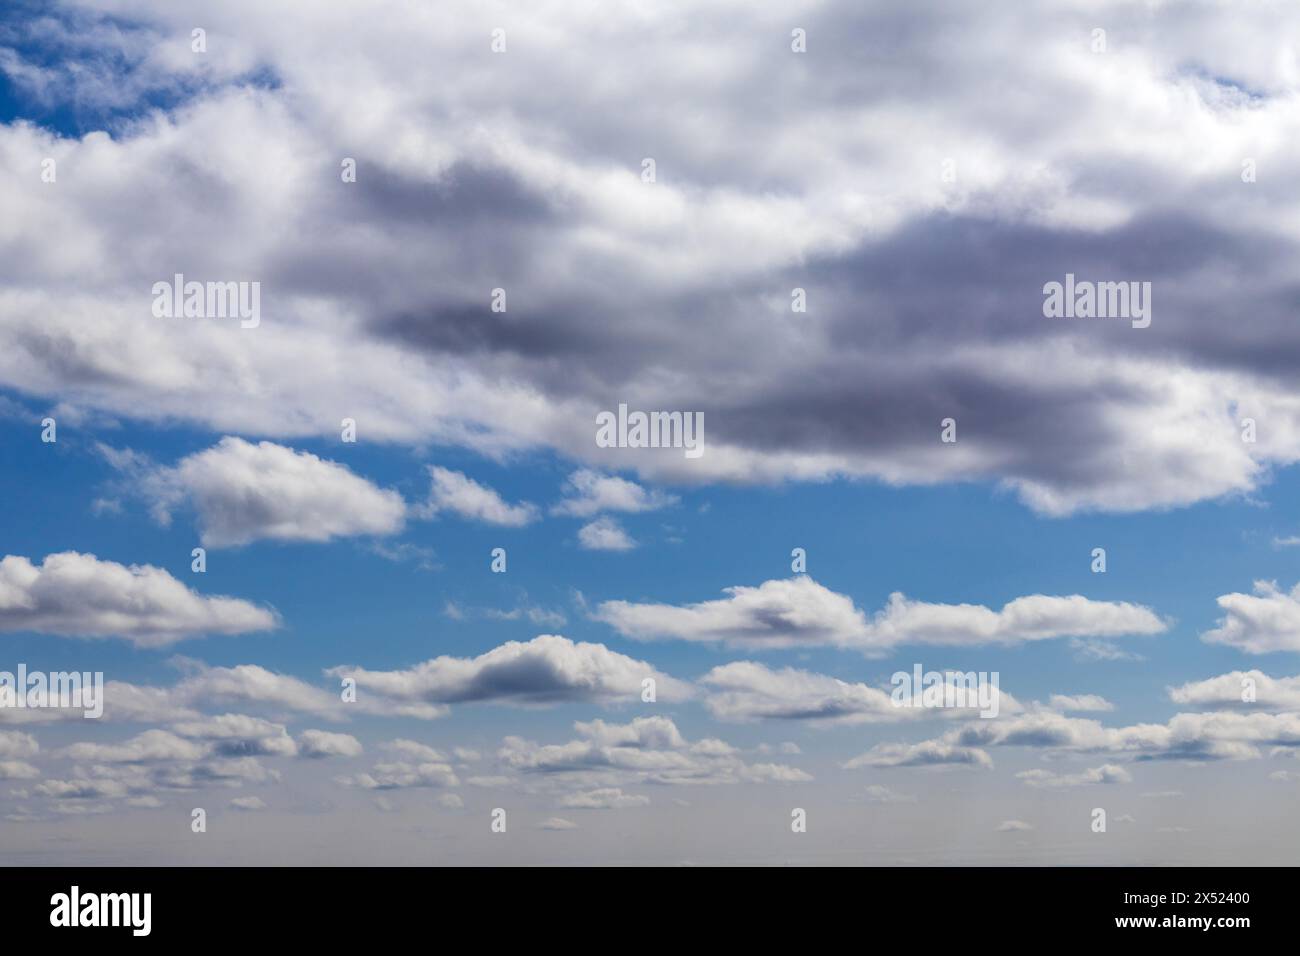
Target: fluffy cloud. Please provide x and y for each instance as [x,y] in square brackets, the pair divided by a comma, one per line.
[457,493]
[1050,780]
[78,595]
[400,775]
[1259,623]
[1188,737]
[322,743]
[799,611]
[746,690]
[589,492]
[245,492]
[605,534]
[648,750]
[375,291]
[1230,692]
[546,670]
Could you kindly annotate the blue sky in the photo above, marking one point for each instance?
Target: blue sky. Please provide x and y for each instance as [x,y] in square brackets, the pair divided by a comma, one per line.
[777,170]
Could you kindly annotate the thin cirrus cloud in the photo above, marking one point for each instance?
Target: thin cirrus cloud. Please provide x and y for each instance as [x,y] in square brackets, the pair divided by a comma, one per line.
[800,612]
[77,595]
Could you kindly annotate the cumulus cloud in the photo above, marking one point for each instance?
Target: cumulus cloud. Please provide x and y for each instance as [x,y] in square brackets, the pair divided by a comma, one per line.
[78,595]
[1051,780]
[605,534]
[323,743]
[648,750]
[589,492]
[401,775]
[799,611]
[245,492]
[389,325]
[1196,737]
[546,670]
[455,492]
[1259,623]
[1240,690]
[746,690]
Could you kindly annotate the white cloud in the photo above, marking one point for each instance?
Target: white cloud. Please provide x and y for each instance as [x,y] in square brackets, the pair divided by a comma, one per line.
[646,750]
[799,611]
[1050,780]
[322,743]
[746,690]
[605,798]
[78,595]
[605,534]
[1229,691]
[245,492]
[557,823]
[459,494]
[548,669]
[589,492]
[1267,621]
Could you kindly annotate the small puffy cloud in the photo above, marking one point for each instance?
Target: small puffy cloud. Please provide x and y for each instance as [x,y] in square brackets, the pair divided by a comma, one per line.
[13,743]
[646,750]
[605,798]
[248,804]
[413,750]
[548,669]
[589,492]
[147,747]
[1014,826]
[605,534]
[322,743]
[252,684]
[245,492]
[878,793]
[17,770]
[1259,623]
[401,775]
[238,735]
[1048,779]
[455,492]
[78,595]
[1231,692]
[556,823]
